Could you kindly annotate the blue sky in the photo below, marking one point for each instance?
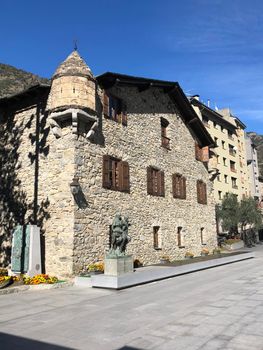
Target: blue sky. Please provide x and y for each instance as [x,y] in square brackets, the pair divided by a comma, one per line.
[213,48]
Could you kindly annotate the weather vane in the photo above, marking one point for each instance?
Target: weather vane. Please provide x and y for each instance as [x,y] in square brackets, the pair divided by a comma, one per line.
[75,44]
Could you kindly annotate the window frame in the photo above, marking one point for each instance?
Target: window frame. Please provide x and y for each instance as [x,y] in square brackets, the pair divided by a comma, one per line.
[179,186]
[114,108]
[201,192]
[115,174]
[155,182]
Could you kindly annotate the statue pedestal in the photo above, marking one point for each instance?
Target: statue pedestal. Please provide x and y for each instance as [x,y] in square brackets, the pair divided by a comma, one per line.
[116,266]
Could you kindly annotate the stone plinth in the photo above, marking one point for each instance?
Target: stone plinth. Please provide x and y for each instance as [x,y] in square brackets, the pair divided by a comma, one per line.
[118,266]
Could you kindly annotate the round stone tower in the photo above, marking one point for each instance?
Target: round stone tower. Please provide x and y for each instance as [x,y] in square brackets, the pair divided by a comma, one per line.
[72,96]
[73,85]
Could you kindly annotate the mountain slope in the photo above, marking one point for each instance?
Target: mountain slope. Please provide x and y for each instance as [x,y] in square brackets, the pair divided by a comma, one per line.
[258,141]
[14,80]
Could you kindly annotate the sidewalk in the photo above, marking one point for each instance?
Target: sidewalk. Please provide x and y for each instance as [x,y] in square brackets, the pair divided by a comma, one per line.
[219,308]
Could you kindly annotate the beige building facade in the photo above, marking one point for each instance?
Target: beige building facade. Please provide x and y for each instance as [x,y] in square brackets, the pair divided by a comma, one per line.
[228,161]
[78,152]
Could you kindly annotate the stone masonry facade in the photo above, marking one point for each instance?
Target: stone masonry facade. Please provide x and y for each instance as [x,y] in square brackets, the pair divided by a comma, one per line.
[40,163]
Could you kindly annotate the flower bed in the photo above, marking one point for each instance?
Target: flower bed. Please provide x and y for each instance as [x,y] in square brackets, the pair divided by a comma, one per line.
[6,281]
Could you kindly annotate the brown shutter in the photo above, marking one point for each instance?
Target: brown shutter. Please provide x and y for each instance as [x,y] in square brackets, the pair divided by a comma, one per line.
[183,182]
[174,185]
[120,176]
[198,191]
[124,114]
[149,181]
[205,154]
[125,177]
[198,152]
[204,194]
[106,110]
[161,183]
[177,185]
[106,172]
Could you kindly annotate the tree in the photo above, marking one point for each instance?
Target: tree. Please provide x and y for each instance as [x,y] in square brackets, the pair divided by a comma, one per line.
[228,213]
[231,213]
[249,214]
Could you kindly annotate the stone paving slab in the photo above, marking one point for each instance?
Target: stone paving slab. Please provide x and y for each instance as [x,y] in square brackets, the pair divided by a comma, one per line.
[195,311]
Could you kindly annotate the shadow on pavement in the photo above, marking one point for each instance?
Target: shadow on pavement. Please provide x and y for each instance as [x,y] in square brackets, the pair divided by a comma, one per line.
[128,348]
[13,342]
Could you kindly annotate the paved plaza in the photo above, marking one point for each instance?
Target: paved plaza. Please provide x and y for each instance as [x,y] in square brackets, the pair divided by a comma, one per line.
[218,308]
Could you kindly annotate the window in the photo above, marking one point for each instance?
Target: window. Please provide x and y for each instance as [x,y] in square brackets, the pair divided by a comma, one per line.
[165,139]
[202,236]
[216,141]
[115,174]
[155,182]
[179,186]
[226,179]
[223,144]
[156,238]
[115,109]
[215,125]
[224,161]
[201,192]
[219,194]
[234,182]
[205,121]
[233,166]
[217,159]
[218,178]
[180,237]
[231,149]
[230,135]
[222,128]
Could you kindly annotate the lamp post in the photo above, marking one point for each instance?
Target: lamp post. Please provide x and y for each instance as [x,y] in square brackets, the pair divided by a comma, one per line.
[75,185]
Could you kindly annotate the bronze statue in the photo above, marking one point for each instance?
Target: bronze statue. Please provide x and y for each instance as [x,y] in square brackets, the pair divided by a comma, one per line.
[119,236]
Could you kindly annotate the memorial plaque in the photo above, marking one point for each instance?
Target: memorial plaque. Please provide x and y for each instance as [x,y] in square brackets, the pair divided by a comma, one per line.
[20,249]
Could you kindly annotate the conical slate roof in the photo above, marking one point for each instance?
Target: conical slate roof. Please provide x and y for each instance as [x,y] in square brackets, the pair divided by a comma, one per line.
[73,65]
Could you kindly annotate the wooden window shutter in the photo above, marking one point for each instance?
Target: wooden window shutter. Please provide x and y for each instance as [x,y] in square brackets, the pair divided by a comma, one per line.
[161,183]
[198,191]
[106,172]
[183,187]
[106,105]
[125,176]
[124,114]
[149,181]
[177,186]
[205,154]
[204,194]
[174,185]
[198,152]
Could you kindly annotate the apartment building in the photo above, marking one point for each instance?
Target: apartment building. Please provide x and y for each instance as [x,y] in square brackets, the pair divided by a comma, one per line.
[228,159]
[252,167]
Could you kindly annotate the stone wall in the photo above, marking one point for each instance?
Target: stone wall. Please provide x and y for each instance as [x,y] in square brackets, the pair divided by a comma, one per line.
[139,143]
[43,172]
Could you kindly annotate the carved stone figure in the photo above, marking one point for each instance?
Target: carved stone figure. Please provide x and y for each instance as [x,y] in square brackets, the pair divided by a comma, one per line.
[119,236]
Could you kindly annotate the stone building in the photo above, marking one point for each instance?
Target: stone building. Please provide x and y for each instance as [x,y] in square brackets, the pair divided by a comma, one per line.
[77,152]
